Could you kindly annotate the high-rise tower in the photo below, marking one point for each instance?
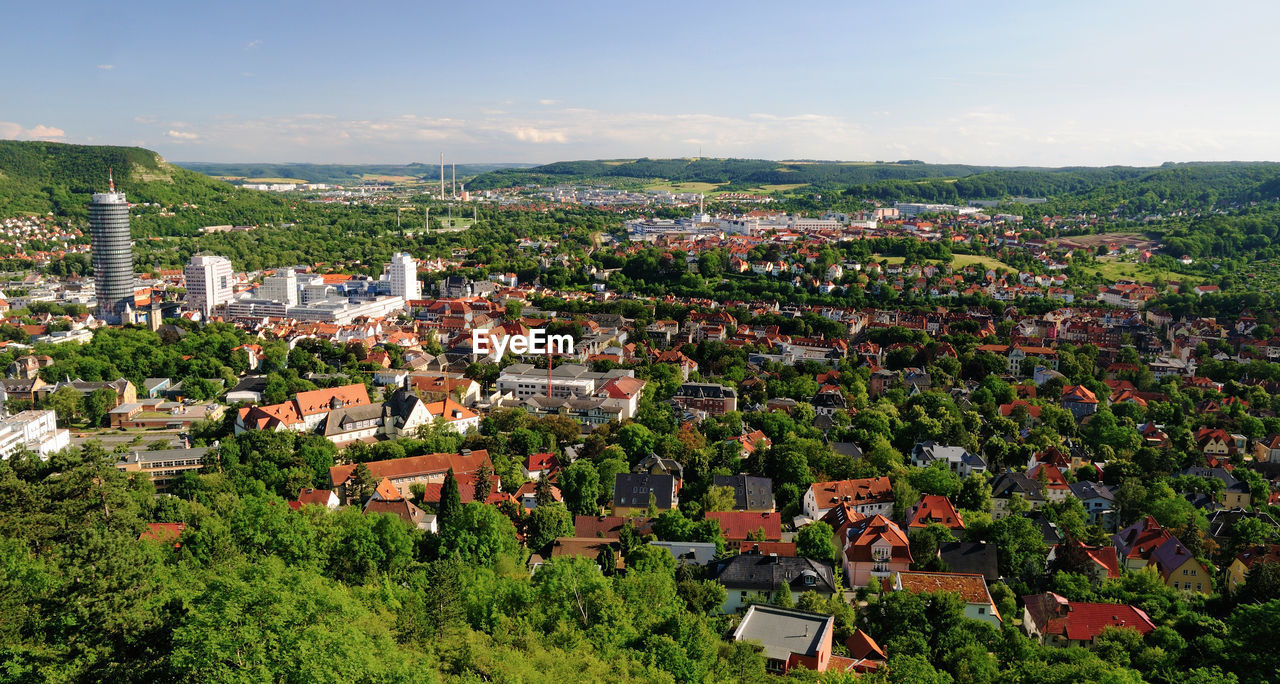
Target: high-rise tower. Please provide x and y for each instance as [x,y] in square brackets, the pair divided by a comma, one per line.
[209,282]
[402,274]
[112,252]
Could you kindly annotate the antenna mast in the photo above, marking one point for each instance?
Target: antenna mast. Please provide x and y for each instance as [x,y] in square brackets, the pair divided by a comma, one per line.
[111,181]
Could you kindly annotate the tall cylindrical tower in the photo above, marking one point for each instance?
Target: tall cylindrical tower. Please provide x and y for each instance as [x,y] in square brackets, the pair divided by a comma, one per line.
[112,254]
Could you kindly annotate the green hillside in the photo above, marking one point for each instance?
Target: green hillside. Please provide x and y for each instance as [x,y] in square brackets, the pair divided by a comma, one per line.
[736,172]
[40,177]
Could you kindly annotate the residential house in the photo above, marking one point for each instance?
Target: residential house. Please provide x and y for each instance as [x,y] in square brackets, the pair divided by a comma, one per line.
[1096,562]
[1146,544]
[405,472]
[934,509]
[537,466]
[874,548]
[743,525]
[958,459]
[1238,571]
[303,413]
[748,578]
[971,557]
[789,638]
[1098,500]
[633,493]
[750,493]
[972,588]
[867,496]
[1051,619]
[308,496]
[388,499]
[705,396]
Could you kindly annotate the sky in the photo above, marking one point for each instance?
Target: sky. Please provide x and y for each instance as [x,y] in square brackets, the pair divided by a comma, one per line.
[1007,83]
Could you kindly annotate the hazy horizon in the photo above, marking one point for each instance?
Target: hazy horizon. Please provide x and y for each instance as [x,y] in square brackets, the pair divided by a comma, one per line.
[1090,84]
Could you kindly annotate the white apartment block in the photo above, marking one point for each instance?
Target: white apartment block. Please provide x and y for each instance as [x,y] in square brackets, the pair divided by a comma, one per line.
[402,273]
[209,282]
[36,430]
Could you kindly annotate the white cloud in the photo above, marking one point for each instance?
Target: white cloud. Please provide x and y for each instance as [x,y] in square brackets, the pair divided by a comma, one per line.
[534,135]
[15,131]
[253,44]
[548,102]
[106,67]
[975,135]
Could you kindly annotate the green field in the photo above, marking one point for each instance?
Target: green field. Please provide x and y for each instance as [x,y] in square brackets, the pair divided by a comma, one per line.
[1112,269]
[958,261]
[962,260]
[693,186]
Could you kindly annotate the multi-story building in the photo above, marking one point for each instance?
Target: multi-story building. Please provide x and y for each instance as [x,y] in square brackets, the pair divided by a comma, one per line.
[402,274]
[209,282]
[112,253]
[165,465]
[36,431]
[705,396]
[570,380]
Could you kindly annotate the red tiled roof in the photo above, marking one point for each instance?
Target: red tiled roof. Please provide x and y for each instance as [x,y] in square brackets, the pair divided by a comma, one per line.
[416,466]
[971,587]
[864,534]
[861,491]
[607,526]
[742,524]
[935,508]
[318,497]
[164,532]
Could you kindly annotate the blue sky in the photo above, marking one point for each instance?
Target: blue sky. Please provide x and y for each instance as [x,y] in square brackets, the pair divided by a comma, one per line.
[1088,83]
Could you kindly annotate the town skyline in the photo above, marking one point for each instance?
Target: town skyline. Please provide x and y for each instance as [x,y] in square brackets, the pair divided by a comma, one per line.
[1093,84]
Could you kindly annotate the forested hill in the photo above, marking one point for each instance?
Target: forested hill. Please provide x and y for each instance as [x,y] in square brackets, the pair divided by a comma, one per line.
[745,172]
[1194,184]
[1207,183]
[41,177]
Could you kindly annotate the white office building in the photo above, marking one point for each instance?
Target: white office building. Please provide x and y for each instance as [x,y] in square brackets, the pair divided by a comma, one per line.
[34,430]
[209,282]
[402,273]
[281,287]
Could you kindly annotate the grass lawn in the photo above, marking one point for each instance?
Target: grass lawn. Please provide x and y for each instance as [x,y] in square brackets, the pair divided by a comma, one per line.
[777,187]
[683,187]
[962,260]
[1112,269]
[958,261]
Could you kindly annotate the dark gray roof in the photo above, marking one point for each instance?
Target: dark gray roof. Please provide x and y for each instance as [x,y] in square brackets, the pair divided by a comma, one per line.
[251,383]
[1211,473]
[767,573]
[1222,523]
[632,490]
[1007,484]
[971,557]
[847,449]
[705,390]
[1091,490]
[783,631]
[749,493]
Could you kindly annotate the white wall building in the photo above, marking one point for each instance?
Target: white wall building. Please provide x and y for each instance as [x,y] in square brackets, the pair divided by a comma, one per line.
[36,430]
[402,273]
[281,287]
[209,282]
